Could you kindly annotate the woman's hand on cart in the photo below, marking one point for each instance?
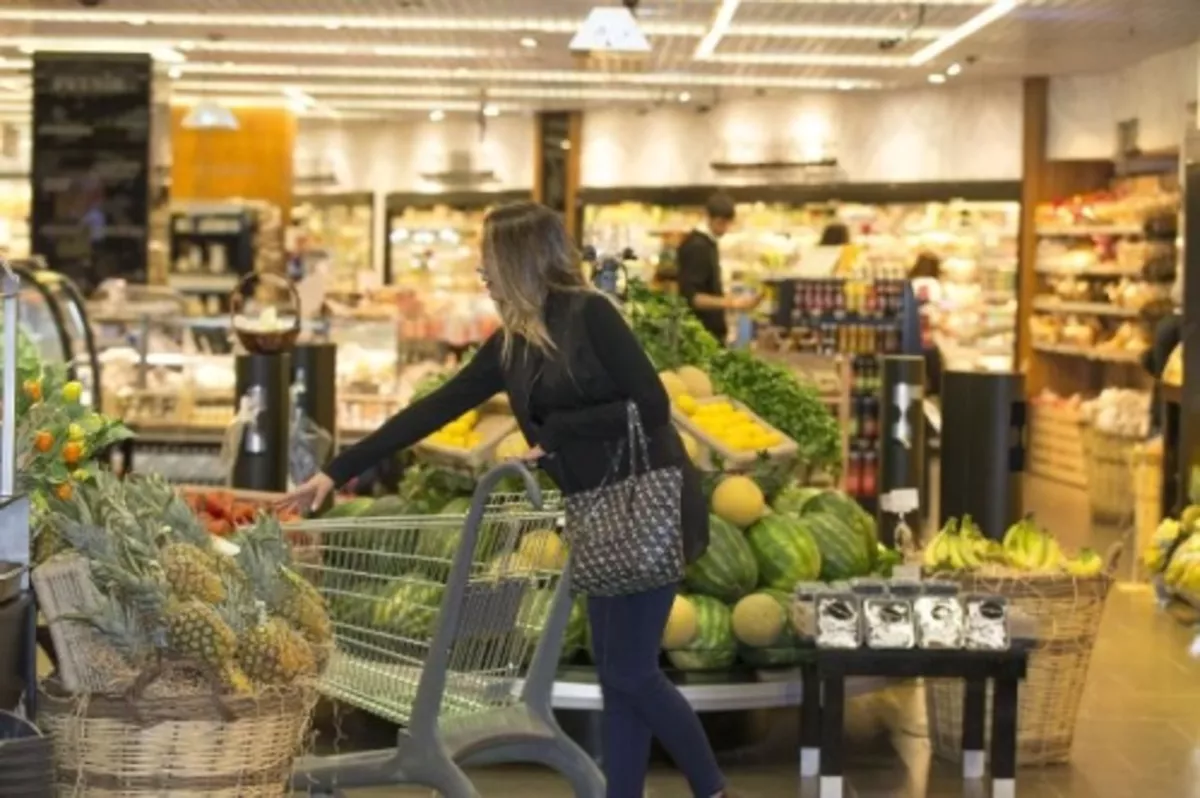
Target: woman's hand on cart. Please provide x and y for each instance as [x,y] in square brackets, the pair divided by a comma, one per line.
[309,496]
[532,456]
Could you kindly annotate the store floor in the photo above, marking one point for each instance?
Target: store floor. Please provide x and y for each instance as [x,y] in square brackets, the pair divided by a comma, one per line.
[1138,733]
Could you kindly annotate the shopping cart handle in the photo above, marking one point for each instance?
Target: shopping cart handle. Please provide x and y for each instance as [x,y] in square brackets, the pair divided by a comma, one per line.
[512,468]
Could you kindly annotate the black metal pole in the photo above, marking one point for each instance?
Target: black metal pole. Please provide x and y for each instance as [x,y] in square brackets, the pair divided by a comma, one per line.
[1189,404]
[262,456]
[983,449]
[314,370]
[902,443]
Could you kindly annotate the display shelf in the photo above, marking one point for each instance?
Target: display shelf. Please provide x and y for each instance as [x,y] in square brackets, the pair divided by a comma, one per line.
[1063,268]
[336,230]
[1052,304]
[1090,231]
[1090,353]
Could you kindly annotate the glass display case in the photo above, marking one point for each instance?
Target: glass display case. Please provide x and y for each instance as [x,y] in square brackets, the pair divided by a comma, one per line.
[54,316]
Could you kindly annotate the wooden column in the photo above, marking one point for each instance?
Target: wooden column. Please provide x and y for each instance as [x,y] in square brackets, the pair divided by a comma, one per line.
[1189,406]
[557,144]
[253,162]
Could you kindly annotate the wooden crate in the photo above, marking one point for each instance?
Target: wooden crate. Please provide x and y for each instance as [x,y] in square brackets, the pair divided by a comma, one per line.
[1056,445]
[492,428]
[730,459]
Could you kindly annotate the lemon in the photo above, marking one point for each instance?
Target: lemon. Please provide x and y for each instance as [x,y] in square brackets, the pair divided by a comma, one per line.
[472,440]
[458,426]
[686,404]
[470,418]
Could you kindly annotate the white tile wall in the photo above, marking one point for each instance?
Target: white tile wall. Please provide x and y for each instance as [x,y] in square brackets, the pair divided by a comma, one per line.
[1085,109]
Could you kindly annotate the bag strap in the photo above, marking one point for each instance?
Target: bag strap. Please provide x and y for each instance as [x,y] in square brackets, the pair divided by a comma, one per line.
[638,444]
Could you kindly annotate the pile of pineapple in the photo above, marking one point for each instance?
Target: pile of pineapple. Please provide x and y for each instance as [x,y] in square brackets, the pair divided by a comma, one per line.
[167,593]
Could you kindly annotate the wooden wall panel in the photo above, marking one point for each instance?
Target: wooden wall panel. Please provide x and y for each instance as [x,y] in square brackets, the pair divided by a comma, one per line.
[252,162]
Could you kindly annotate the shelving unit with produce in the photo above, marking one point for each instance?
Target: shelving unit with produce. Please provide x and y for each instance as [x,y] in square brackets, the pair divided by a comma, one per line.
[15,197]
[339,231]
[1105,262]
[972,228]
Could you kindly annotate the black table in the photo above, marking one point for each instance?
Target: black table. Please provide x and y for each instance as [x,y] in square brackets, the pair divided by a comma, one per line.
[824,687]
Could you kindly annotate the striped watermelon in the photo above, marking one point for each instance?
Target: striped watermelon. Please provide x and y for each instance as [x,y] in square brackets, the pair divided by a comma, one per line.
[851,512]
[714,647]
[844,553]
[727,571]
[411,610]
[791,500]
[785,550]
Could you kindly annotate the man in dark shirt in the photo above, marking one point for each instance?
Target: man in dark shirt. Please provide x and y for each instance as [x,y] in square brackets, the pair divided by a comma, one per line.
[699,267]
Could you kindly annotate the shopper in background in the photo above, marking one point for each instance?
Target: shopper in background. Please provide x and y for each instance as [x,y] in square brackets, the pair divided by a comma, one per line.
[925,279]
[571,365]
[698,263]
[1168,334]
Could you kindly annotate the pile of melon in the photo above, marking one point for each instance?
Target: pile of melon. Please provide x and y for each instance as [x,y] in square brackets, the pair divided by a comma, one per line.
[736,604]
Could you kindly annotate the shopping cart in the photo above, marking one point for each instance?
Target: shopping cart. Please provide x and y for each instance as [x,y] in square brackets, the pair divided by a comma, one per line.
[450,626]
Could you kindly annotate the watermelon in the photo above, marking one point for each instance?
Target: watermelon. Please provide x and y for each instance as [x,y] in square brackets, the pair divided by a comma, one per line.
[785,550]
[791,500]
[535,612]
[411,609]
[844,507]
[727,571]
[576,636]
[457,506]
[714,647]
[385,507]
[844,553]
[350,508]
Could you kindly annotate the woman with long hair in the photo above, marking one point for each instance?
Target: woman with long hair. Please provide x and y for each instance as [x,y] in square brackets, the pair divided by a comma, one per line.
[571,366]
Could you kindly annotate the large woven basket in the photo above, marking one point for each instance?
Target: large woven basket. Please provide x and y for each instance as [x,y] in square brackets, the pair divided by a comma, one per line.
[195,745]
[1067,611]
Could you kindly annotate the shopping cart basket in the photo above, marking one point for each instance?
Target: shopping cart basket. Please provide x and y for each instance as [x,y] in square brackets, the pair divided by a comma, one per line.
[450,626]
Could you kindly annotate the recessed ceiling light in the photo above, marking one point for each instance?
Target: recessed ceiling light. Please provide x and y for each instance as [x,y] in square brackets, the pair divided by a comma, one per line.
[844,85]
[528,42]
[137,22]
[27,49]
[437,115]
[954,69]
[685,96]
[187,45]
[937,77]
[175,73]
[228,64]
[332,26]
[491,110]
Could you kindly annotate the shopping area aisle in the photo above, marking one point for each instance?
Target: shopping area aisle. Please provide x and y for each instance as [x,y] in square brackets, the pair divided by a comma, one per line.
[1138,734]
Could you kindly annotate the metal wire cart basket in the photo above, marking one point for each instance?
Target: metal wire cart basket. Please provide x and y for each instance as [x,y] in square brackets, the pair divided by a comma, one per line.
[450,626]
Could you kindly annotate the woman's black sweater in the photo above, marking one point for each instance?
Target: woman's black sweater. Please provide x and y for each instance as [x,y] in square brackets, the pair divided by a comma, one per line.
[572,403]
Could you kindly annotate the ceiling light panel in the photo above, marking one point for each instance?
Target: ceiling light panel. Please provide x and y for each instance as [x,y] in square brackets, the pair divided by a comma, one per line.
[332,92]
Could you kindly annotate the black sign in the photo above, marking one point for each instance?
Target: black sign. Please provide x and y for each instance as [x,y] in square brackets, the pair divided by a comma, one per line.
[91,164]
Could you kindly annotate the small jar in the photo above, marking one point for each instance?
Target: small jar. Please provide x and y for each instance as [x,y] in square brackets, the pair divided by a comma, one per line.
[938,613]
[888,618]
[804,611]
[986,623]
[839,620]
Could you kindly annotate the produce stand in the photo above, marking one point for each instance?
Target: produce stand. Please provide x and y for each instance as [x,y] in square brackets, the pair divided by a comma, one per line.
[1002,669]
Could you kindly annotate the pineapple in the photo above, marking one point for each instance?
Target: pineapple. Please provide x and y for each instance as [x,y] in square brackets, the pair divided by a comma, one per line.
[236,680]
[197,631]
[273,653]
[264,559]
[190,574]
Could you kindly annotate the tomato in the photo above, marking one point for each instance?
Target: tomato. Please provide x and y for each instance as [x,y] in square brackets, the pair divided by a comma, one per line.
[64,491]
[33,389]
[43,441]
[72,391]
[72,453]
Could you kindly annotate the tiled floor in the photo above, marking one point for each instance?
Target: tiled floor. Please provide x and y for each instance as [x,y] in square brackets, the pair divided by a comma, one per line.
[1138,734]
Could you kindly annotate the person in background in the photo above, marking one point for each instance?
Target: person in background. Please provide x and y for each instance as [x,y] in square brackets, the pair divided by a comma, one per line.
[698,266]
[570,366]
[1168,334]
[925,279]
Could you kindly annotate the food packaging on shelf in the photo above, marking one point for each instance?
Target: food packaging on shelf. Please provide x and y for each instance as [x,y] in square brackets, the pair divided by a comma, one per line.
[986,623]
[839,619]
[804,610]
[888,618]
[939,616]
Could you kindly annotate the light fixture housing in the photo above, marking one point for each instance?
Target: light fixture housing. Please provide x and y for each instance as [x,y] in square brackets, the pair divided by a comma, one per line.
[529,43]
[210,115]
[972,26]
[937,78]
[437,115]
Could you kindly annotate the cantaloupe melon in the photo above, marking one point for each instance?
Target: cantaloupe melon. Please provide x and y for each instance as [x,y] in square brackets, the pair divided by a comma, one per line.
[681,626]
[739,501]
[543,549]
[759,620]
[672,384]
[691,446]
[510,566]
[697,382]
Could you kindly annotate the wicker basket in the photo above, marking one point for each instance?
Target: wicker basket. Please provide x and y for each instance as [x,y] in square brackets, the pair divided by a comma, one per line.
[194,745]
[1106,458]
[1067,610]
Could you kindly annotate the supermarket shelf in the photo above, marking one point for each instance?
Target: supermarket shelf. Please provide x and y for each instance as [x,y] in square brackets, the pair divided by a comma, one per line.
[1109,271]
[1053,305]
[1070,231]
[1090,353]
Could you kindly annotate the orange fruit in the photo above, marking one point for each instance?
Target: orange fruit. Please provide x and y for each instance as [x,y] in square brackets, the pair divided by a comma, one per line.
[64,491]
[43,441]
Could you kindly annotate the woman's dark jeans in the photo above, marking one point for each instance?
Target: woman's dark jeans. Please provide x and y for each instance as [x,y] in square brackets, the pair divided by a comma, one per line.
[640,702]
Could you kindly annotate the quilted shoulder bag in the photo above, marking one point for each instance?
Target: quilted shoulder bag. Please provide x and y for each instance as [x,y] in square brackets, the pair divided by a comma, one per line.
[627,537]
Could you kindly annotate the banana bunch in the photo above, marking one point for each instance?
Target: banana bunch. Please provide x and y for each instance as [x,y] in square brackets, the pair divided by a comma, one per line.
[1028,547]
[1158,549]
[1183,571]
[959,546]
[1088,563]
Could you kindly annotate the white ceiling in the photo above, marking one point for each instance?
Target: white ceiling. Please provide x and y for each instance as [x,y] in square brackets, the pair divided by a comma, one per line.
[381,57]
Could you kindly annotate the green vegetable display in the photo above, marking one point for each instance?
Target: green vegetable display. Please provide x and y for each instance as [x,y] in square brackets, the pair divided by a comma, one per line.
[668,330]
